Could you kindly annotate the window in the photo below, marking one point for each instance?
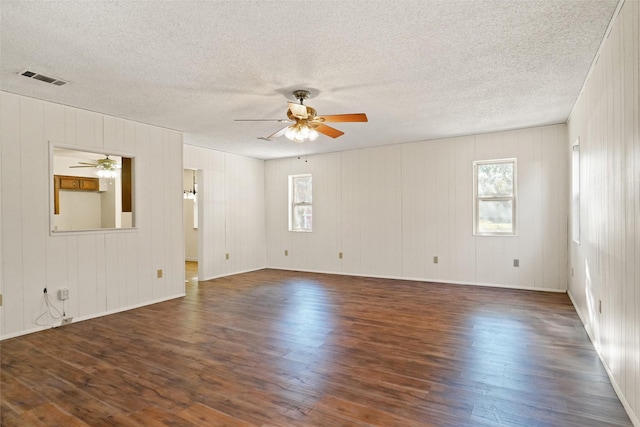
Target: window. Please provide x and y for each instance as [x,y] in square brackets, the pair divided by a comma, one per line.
[575,192]
[495,197]
[300,202]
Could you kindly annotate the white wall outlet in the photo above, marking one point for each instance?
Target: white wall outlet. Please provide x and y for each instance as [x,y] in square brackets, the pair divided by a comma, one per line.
[226,256]
[435,259]
[340,255]
[516,263]
[286,252]
[63,294]
[67,320]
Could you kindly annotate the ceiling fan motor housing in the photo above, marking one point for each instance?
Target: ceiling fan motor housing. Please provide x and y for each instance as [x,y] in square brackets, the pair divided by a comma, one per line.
[301,95]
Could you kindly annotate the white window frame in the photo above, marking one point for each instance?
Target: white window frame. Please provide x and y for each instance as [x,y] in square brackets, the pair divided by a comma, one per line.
[293,204]
[477,199]
[575,192]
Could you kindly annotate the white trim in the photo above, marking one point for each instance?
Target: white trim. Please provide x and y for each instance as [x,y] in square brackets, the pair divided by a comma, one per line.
[627,407]
[513,198]
[92,316]
[231,274]
[93,150]
[293,204]
[422,279]
[596,57]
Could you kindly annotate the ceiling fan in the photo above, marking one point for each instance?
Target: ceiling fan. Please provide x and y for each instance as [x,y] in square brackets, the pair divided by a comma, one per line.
[306,124]
[106,168]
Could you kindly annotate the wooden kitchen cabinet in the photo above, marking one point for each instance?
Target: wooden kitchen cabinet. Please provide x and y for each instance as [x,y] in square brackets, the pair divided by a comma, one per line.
[77,183]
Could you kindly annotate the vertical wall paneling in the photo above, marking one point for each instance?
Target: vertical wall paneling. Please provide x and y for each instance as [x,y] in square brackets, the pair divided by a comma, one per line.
[605,262]
[276,213]
[176,243]
[399,206]
[35,217]
[371,211]
[104,271]
[218,206]
[414,213]
[632,44]
[13,297]
[145,194]
[231,205]
[462,249]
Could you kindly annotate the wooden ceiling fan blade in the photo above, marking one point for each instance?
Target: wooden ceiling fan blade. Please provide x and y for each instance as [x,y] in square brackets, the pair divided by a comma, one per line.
[328,130]
[298,110]
[358,117]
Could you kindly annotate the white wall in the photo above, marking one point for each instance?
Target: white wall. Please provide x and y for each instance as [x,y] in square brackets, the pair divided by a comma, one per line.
[105,271]
[606,262]
[231,211]
[391,209]
[190,233]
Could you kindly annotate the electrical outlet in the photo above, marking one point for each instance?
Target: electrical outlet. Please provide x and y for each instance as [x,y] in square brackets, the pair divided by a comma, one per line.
[67,320]
[286,252]
[516,263]
[435,259]
[226,256]
[340,255]
[159,273]
[63,294]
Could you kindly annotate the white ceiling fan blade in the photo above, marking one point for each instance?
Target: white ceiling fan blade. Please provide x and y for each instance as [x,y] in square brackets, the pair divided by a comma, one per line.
[276,134]
[263,120]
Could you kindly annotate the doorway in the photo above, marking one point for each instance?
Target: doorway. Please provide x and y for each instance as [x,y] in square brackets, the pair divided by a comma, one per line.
[190,219]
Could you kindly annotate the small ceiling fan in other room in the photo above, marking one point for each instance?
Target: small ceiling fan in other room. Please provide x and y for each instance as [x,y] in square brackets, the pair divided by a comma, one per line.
[105,168]
[306,124]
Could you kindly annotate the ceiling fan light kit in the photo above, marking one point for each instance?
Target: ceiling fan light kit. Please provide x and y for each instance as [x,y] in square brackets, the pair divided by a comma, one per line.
[300,132]
[307,124]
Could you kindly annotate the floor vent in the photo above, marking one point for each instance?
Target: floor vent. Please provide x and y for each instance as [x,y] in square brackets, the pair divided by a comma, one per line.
[43,78]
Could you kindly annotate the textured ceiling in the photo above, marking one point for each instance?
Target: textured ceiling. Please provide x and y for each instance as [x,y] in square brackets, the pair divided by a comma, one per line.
[420,69]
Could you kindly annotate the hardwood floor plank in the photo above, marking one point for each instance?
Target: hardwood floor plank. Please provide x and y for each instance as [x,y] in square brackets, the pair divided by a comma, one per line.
[201,415]
[282,348]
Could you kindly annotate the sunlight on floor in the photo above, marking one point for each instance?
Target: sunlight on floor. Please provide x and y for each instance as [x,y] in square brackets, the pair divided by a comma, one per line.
[191,272]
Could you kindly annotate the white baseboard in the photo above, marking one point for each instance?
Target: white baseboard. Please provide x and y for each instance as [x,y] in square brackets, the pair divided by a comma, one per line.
[625,403]
[422,279]
[231,274]
[91,316]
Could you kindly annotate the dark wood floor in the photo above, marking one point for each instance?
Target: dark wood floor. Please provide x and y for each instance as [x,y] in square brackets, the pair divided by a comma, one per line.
[275,348]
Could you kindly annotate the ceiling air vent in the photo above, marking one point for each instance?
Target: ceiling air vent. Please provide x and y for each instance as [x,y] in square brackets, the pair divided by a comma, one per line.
[43,78]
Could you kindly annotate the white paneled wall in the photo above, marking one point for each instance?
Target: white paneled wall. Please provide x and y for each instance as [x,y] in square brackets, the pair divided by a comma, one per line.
[606,262]
[391,209]
[231,212]
[104,271]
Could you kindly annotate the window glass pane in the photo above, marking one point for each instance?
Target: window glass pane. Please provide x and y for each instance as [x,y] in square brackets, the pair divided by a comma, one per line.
[495,216]
[302,189]
[302,218]
[495,179]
